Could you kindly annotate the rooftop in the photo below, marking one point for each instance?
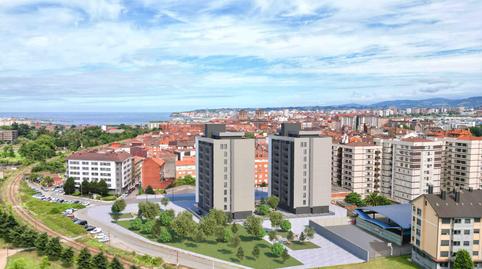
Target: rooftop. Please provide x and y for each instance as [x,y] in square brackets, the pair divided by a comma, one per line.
[469,204]
[99,156]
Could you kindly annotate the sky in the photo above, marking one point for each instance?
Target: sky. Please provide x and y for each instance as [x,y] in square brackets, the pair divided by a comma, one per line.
[153,55]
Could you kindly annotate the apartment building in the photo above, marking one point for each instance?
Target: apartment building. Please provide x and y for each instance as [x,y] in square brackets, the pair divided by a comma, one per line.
[462,167]
[416,166]
[300,169]
[113,167]
[225,171]
[443,224]
[261,163]
[357,167]
[387,165]
[8,135]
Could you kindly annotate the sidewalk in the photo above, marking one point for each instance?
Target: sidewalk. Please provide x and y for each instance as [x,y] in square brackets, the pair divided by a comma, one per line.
[4,256]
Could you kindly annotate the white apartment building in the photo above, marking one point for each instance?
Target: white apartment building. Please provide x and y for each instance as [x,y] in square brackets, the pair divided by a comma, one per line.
[416,165]
[462,163]
[113,167]
[357,167]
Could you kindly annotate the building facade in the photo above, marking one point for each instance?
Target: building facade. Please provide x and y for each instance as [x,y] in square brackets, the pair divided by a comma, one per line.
[8,135]
[225,171]
[443,224]
[357,167]
[115,168]
[300,170]
[462,164]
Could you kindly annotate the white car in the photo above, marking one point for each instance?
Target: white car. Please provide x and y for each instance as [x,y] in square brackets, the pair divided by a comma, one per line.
[105,239]
[96,231]
[100,235]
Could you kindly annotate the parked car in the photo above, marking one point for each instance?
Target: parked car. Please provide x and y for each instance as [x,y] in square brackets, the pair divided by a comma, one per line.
[89,228]
[96,231]
[81,222]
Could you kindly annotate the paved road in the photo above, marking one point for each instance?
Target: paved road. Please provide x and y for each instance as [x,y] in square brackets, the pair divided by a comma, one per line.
[98,215]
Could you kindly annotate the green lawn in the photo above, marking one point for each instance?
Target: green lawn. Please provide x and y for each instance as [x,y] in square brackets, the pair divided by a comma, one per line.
[297,245]
[30,260]
[50,213]
[124,215]
[223,251]
[400,262]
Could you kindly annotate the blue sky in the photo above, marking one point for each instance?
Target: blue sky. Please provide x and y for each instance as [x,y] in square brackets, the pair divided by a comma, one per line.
[150,55]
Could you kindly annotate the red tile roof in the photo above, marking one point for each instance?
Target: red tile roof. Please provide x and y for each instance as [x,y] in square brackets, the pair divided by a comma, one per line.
[99,156]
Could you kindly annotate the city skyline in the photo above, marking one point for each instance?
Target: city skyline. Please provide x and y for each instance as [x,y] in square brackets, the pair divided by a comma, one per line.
[173,56]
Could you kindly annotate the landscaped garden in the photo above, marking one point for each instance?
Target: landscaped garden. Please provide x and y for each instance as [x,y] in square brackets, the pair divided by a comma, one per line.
[400,262]
[216,236]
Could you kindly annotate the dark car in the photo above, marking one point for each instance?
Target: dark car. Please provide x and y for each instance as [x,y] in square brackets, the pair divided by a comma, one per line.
[81,222]
[89,228]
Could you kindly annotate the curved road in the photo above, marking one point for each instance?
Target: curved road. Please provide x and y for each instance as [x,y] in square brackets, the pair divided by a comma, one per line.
[120,237]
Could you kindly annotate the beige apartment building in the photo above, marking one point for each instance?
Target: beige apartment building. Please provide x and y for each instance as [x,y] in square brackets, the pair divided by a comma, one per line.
[225,171]
[357,167]
[462,163]
[300,169]
[443,224]
[8,135]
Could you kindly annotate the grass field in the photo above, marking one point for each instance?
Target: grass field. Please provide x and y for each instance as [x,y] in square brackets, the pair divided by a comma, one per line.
[401,262]
[223,251]
[30,260]
[51,213]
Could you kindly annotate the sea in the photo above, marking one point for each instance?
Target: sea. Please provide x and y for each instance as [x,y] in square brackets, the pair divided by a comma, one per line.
[90,118]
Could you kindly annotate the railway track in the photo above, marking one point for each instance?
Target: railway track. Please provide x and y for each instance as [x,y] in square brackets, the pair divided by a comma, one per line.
[25,215]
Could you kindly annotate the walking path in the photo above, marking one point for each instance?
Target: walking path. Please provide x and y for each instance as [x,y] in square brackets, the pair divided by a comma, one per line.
[4,254]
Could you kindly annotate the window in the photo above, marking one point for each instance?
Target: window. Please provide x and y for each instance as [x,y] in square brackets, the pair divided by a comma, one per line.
[475,253]
[467,220]
[457,221]
[466,231]
[456,243]
[445,221]
[444,242]
[444,253]
[456,231]
[466,243]
[476,242]
[476,220]
[445,231]
[476,231]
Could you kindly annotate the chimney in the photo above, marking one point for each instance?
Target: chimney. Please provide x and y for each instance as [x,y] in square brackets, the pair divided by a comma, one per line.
[457,196]
[430,189]
[443,195]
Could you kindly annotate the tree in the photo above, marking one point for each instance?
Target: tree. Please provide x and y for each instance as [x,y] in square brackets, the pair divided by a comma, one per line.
[276,218]
[302,237]
[149,190]
[166,217]
[208,225]
[41,243]
[285,225]
[285,255]
[263,209]
[85,187]
[234,228]
[118,206]
[290,236]
[199,236]
[463,260]
[272,235]
[102,188]
[148,210]
[219,216]
[44,264]
[240,253]
[374,199]
[254,227]
[255,252]
[183,225]
[354,199]
[310,232]
[277,249]
[53,249]
[115,264]
[100,261]
[84,259]
[273,202]
[165,201]
[165,235]
[227,235]
[69,186]
[476,131]
[67,257]
[235,241]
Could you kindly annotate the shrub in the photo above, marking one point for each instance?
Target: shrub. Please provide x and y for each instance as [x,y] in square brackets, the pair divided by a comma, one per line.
[277,249]
[263,210]
[285,225]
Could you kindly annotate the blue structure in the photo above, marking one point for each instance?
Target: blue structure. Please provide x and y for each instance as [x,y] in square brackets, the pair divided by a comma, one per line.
[390,222]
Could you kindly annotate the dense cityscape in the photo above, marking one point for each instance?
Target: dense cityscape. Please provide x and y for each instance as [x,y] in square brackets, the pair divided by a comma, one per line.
[305,181]
[239,134]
